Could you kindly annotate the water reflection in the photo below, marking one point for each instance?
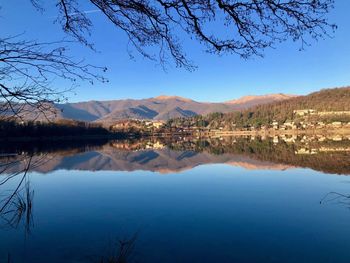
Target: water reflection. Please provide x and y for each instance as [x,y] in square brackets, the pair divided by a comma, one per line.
[16,204]
[330,155]
[337,199]
[216,213]
[122,251]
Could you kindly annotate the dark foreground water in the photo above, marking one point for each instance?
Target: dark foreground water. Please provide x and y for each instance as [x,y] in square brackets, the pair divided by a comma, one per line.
[216,201]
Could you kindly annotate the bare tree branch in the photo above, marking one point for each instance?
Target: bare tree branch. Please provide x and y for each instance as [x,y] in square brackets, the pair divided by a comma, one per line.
[245,27]
[27,69]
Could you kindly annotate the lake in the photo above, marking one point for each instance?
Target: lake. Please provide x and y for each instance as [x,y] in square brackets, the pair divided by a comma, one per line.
[282,199]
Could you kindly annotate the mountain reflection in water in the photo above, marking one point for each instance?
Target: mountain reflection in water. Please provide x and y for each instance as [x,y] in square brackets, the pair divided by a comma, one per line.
[59,202]
[330,155]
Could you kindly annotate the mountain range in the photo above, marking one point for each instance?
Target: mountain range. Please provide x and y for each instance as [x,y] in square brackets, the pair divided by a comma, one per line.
[157,108]
[108,158]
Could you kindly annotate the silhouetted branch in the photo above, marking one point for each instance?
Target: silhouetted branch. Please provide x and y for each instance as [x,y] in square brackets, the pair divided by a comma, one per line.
[18,205]
[335,197]
[123,252]
[27,69]
[241,27]
[20,208]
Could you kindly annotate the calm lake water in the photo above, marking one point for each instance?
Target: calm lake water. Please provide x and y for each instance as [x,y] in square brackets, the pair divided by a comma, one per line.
[228,200]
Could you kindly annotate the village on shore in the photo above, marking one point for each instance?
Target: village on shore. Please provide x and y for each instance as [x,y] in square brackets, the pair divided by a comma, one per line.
[305,121]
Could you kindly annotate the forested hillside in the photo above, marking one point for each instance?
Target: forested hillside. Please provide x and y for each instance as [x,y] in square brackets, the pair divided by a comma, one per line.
[337,99]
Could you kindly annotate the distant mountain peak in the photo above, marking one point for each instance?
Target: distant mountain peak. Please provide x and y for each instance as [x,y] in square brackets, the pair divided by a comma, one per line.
[167,97]
[258,99]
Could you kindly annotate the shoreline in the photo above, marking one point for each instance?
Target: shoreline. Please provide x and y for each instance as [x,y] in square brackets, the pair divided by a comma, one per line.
[273,132]
[200,134]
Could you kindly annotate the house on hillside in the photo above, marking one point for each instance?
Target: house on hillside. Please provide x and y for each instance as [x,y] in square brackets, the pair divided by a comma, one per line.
[154,124]
[158,124]
[290,125]
[306,151]
[337,138]
[274,125]
[320,125]
[330,113]
[126,124]
[336,124]
[304,112]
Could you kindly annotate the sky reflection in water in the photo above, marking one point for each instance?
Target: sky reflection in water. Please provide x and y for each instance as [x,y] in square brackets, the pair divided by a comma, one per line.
[210,212]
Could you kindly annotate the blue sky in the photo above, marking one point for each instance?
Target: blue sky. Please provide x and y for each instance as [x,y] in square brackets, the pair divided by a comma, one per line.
[284,69]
